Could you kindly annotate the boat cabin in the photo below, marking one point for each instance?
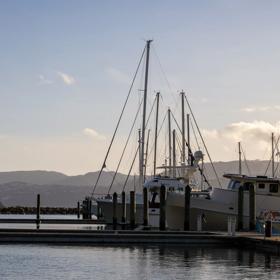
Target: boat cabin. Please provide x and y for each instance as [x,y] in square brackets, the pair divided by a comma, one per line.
[263,184]
[171,184]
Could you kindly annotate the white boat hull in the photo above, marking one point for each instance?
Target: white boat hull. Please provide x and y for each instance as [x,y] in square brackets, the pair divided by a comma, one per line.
[215,211]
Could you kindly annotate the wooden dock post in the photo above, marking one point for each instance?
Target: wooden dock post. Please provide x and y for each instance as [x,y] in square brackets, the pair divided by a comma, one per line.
[252,207]
[268,228]
[89,208]
[38,211]
[132,210]
[240,208]
[145,206]
[115,202]
[162,217]
[187,207]
[123,210]
[78,210]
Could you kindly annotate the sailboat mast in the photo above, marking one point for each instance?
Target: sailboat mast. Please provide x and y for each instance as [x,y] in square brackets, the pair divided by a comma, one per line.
[174,153]
[140,164]
[169,143]
[146,154]
[188,137]
[183,131]
[239,161]
[144,112]
[156,132]
[272,154]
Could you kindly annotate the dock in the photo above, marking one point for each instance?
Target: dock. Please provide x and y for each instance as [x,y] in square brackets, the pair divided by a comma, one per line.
[244,240]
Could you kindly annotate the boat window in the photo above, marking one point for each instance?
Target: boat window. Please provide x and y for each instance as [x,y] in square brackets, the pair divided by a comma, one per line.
[273,188]
[261,185]
[235,185]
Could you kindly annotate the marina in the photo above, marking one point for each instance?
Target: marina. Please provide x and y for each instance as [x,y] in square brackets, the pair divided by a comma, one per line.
[139,141]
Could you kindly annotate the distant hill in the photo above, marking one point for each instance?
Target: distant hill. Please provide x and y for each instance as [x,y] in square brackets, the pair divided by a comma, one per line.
[32,177]
[57,189]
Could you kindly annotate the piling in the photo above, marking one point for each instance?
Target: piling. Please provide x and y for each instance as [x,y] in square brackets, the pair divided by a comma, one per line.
[145,206]
[78,210]
[162,218]
[38,211]
[132,210]
[86,208]
[199,222]
[89,208]
[268,228]
[123,210]
[99,212]
[240,208]
[187,207]
[252,207]
[115,201]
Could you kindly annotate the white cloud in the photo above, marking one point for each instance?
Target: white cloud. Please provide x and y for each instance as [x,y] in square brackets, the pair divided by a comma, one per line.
[43,80]
[118,76]
[253,109]
[66,78]
[93,134]
[256,130]
[255,137]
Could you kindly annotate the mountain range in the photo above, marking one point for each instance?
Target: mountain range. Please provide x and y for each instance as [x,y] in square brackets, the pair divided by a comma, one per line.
[19,188]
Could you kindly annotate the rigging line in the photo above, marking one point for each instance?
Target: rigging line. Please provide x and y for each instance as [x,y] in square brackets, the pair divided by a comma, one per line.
[163,72]
[118,123]
[203,141]
[277,154]
[193,130]
[178,141]
[128,175]
[271,157]
[246,163]
[125,146]
[162,123]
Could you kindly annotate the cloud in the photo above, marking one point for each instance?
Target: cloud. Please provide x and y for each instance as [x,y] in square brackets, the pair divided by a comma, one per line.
[66,78]
[93,134]
[255,138]
[43,80]
[118,76]
[256,131]
[253,109]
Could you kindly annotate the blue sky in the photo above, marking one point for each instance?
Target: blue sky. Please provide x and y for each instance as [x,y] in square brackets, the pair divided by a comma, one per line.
[66,67]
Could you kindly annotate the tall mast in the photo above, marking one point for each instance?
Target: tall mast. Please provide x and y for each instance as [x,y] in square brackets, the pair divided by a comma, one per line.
[144,112]
[183,131]
[146,153]
[272,154]
[188,139]
[140,163]
[174,153]
[169,143]
[156,132]
[239,161]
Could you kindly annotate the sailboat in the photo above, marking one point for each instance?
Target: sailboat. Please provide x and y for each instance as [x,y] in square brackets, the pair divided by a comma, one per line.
[104,204]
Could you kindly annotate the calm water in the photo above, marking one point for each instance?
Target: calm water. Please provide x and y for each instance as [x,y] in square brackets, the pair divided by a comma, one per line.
[65,262]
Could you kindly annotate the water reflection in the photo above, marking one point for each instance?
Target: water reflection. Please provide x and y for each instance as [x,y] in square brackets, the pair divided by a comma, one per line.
[135,262]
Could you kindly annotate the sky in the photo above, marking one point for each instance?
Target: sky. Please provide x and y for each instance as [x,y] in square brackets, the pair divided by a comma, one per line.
[66,68]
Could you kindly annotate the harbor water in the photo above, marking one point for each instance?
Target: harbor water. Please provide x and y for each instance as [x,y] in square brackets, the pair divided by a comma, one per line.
[28,262]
